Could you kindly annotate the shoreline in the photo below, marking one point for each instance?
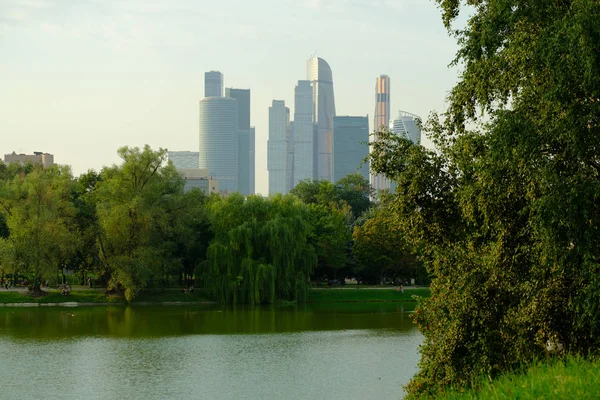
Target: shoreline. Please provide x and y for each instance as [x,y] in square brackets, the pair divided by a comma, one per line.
[173,297]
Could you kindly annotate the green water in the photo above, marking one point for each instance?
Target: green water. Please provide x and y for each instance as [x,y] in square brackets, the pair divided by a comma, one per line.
[343,351]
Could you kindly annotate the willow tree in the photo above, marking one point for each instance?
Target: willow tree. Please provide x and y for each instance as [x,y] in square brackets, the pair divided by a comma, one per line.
[135,224]
[260,251]
[40,217]
[507,212]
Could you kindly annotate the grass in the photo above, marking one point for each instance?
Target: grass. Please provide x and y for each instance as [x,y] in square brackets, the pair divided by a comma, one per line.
[573,378]
[78,296]
[364,295]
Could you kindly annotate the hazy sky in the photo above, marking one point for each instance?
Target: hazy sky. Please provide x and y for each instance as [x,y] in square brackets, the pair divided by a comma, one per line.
[80,78]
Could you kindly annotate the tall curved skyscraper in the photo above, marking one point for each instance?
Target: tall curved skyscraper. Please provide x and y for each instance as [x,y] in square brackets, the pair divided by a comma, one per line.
[321,79]
[382,117]
[218,138]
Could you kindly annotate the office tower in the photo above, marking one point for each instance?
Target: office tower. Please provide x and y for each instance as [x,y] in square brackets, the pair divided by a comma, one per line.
[213,84]
[382,117]
[252,140]
[407,125]
[184,159]
[320,77]
[38,157]
[218,140]
[245,142]
[304,134]
[243,99]
[277,147]
[350,146]
[289,168]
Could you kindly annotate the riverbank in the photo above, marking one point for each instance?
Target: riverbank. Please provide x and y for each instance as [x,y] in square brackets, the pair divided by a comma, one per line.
[84,296]
[573,378]
[354,294]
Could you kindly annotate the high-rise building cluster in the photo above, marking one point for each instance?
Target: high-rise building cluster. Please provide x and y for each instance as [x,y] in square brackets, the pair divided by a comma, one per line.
[317,144]
[310,143]
[226,142]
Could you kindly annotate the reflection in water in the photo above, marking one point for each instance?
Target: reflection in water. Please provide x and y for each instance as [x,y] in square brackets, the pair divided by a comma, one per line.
[152,321]
[207,352]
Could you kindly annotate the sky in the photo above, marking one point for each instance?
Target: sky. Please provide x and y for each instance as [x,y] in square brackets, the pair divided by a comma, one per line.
[81,78]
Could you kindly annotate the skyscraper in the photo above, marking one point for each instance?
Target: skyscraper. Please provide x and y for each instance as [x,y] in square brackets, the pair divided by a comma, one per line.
[382,117]
[277,147]
[304,134]
[350,146]
[213,84]
[245,140]
[252,170]
[321,79]
[184,159]
[407,125]
[218,140]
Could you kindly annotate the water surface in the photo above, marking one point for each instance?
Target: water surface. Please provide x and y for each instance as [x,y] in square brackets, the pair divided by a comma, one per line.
[339,351]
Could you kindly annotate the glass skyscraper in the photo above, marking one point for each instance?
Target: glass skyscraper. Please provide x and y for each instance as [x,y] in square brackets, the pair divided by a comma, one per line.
[184,159]
[350,146]
[381,121]
[303,134]
[219,140]
[245,140]
[320,76]
[213,84]
[277,147]
[407,126]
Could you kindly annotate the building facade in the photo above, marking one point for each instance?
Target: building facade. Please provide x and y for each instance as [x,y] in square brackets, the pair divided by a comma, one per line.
[350,146]
[245,140]
[198,178]
[304,144]
[219,141]
[381,121]
[320,76]
[213,84]
[407,125]
[38,157]
[277,147]
[184,159]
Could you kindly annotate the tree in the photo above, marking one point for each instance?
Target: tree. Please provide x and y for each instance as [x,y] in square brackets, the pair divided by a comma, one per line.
[40,218]
[506,214]
[260,251]
[135,218]
[381,250]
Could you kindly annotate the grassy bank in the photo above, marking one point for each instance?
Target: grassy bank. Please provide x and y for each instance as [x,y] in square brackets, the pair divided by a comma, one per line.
[573,378]
[98,296]
[350,294]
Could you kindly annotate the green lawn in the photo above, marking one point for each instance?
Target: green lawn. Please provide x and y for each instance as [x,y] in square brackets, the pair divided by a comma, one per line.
[573,378]
[364,295]
[78,296]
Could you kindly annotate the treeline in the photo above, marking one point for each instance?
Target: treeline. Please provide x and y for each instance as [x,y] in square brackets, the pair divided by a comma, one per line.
[132,226]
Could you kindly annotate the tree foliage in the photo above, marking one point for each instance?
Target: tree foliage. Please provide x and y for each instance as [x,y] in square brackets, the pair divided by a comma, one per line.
[381,251]
[506,213]
[135,219]
[39,216]
[261,250]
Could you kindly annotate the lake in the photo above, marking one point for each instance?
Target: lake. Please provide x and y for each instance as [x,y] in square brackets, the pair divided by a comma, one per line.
[317,351]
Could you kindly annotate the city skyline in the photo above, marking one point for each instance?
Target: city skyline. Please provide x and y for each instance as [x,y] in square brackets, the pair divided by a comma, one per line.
[118,74]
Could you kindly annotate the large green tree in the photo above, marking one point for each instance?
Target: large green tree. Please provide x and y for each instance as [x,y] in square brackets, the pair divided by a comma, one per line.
[261,250]
[506,213]
[134,211]
[40,218]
